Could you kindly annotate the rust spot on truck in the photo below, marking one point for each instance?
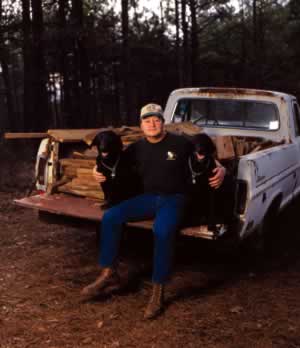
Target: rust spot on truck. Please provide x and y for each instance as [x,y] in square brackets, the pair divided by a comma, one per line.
[230,91]
[238,91]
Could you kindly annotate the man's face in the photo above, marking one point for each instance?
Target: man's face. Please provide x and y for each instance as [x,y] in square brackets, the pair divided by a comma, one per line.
[152,126]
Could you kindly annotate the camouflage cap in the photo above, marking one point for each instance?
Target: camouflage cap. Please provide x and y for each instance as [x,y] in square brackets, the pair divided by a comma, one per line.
[152,110]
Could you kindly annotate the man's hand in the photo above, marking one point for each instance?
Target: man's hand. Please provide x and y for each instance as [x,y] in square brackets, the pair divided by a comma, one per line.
[218,178]
[99,177]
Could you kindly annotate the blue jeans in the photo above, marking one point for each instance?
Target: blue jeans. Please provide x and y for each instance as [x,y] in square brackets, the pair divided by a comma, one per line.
[168,213]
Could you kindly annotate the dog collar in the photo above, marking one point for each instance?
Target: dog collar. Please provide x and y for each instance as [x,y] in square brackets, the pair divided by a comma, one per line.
[113,168]
[194,173]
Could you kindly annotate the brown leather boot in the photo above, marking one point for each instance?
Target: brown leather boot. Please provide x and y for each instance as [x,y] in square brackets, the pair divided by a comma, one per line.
[108,278]
[155,305]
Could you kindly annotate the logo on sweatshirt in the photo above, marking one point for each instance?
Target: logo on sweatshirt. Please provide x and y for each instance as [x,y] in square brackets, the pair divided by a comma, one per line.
[171,156]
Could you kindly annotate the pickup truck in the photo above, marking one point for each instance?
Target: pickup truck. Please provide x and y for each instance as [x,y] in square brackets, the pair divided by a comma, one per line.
[259,133]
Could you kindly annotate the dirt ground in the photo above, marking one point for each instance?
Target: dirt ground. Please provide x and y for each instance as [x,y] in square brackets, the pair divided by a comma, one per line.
[214,299]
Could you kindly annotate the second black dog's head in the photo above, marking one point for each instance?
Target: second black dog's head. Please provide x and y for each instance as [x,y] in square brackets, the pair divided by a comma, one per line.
[203,145]
[109,145]
[204,152]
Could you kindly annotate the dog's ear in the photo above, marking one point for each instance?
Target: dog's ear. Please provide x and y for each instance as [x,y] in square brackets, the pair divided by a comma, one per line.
[96,140]
[108,139]
[116,140]
[204,144]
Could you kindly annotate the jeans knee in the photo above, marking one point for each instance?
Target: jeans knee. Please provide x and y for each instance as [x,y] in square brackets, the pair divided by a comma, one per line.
[163,234]
[111,216]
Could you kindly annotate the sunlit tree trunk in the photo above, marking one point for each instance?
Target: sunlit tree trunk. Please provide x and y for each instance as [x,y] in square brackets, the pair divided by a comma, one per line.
[194,43]
[178,46]
[243,79]
[186,53]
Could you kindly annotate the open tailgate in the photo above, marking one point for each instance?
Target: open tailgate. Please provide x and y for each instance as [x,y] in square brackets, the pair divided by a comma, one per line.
[63,204]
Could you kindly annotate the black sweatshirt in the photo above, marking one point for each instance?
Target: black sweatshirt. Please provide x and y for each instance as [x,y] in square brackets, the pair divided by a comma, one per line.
[163,166]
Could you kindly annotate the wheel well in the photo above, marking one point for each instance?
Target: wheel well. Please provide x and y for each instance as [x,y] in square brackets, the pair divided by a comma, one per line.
[275,205]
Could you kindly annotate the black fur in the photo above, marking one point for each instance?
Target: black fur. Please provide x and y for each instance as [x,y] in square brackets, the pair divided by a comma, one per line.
[203,145]
[208,205]
[123,184]
[202,202]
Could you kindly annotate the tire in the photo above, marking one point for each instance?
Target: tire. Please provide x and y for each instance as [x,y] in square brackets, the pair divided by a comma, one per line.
[256,248]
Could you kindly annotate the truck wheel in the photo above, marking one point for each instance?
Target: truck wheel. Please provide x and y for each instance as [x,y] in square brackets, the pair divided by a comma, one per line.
[261,243]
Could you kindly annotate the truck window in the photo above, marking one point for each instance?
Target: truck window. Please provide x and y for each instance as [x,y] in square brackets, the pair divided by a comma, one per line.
[182,111]
[230,113]
[296,119]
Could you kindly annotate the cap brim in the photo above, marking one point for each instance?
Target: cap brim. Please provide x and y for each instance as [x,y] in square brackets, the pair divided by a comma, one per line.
[149,114]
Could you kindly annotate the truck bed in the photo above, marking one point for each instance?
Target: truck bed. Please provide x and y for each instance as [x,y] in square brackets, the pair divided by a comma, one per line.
[64,204]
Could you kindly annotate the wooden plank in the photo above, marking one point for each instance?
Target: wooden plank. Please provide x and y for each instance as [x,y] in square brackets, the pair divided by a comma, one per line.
[224,145]
[77,163]
[25,135]
[86,172]
[83,191]
[70,135]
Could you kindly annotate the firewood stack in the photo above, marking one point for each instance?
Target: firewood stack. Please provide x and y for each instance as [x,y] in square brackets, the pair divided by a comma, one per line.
[80,174]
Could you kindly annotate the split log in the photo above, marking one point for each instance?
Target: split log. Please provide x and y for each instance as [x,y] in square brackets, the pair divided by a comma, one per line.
[224,145]
[87,154]
[82,192]
[77,163]
[256,148]
[84,172]
[91,183]
[53,187]
[70,172]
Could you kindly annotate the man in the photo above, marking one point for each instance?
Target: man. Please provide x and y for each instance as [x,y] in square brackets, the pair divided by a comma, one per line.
[161,159]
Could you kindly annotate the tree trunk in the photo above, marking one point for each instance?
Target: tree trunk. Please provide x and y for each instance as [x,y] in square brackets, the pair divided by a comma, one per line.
[28,99]
[125,105]
[186,53]
[243,78]
[41,107]
[255,43]
[4,58]
[76,21]
[65,96]
[194,44]
[178,47]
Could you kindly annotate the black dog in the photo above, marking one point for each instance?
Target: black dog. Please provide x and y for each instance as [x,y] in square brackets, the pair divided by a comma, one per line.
[201,164]
[120,181]
[208,204]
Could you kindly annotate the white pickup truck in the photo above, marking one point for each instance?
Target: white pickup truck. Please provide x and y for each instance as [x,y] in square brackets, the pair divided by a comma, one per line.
[263,130]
